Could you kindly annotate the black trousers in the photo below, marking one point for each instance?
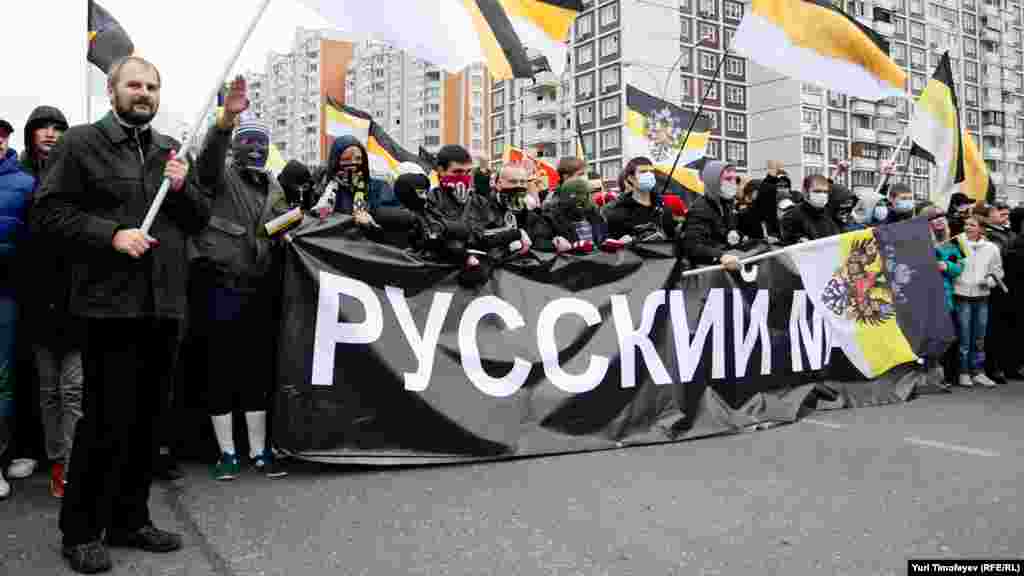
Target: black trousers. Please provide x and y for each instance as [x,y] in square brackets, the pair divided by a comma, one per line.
[125,361]
[1000,342]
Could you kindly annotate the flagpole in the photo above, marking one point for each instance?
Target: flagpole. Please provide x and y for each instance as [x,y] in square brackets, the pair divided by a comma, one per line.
[579,136]
[161,195]
[88,65]
[693,120]
[892,161]
[771,254]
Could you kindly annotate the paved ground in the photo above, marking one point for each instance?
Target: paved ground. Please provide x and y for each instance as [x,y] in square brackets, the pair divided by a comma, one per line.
[850,492]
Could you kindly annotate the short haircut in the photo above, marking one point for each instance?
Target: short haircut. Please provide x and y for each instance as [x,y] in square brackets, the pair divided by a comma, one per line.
[452,154]
[569,166]
[810,180]
[630,169]
[115,69]
[981,210]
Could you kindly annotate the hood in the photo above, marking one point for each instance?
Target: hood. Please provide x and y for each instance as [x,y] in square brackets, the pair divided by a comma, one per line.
[865,208]
[339,146]
[40,117]
[9,162]
[294,174]
[711,175]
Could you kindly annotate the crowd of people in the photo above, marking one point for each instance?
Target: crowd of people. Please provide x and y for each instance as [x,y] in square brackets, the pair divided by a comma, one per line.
[102,308]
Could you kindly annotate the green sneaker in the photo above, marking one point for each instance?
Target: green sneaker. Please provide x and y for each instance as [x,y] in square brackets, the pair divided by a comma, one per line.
[227,467]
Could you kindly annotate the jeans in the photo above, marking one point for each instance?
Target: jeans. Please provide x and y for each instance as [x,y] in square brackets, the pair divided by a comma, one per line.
[8,324]
[972,324]
[60,398]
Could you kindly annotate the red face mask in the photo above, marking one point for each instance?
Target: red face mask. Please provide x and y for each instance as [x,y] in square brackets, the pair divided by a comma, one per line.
[453,180]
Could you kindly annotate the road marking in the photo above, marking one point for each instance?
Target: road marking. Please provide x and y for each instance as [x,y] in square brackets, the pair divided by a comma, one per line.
[950,447]
[824,423]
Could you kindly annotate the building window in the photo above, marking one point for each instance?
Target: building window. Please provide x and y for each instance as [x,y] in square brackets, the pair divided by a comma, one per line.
[610,109]
[710,89]
[968,23]
[609,15]
[863,178]
[917,57]
[971,71]
[728,36]
[733,10]
[586,114]
[610,45]
[836,100]
[900,54]
[734,66]
[715,149]
[610,139]
[812,146]
[686,31]
[497,148]
[900,24]
[837,121]
[708,33]
[609,78]
[837,150]
[917,82]
[735,95]
[707,63]
[585,86]
[712,120]
[584,26]
[812,118]
[736,153]
[610,170]
[708,9]
[498,124]
[735,122]
[917,31]
[687,89]
[685,59]
[585,55]
[970,48]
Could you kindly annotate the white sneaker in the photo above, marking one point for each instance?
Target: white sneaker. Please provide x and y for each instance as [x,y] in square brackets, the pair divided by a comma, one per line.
[5,488]
[965,381]
[984,380]
[21,468]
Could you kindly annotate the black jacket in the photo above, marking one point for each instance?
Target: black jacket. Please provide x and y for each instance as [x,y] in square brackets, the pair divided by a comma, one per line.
[804,221]
[102,178]
[235,249]
[625,215]
[709,221]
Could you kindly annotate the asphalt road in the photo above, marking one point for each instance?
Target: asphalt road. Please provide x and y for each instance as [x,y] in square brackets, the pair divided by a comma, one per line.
[846,492]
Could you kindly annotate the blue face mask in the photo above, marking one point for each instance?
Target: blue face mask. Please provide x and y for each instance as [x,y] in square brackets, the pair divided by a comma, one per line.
[881,213]
[645,181]
[904,206]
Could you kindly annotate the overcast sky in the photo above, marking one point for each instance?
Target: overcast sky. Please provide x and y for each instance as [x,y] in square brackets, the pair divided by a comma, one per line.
[188,40]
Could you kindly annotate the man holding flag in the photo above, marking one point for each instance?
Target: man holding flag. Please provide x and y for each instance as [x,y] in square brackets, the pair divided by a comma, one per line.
[129,287]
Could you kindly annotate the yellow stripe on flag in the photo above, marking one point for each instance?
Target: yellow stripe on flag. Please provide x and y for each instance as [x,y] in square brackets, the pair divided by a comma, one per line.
[373,148]
[975,185]
[555,21]
[938,101]
[883,344]
[339,124]
[497,62]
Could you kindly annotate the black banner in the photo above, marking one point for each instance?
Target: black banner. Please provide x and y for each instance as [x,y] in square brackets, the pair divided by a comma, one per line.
[386,358]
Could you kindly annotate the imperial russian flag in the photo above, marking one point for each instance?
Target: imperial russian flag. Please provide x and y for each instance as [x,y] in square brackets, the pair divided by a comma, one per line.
[880,292]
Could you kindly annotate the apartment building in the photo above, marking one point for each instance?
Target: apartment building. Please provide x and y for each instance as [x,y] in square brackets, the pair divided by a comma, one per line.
[811,129]
[289,93]
[668,48]
[418,103]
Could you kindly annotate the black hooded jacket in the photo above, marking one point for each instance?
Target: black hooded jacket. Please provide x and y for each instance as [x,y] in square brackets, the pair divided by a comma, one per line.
[710,220]
[296,181]
[807,222]
[39,118]
[378,192]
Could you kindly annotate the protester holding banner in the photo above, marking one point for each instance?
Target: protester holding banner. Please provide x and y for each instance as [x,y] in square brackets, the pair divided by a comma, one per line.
[510,201]
[810,220]
[711,228]
[871,209]
[901,198]
[774,187]
[130,288]
[983,271]
[233,270]
[346,186]
[637,212]
[578,223]
[951,265]
[297,182]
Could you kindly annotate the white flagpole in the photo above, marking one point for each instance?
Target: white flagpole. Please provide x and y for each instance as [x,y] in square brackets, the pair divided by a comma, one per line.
[892,160]
[154,208]
[801,246]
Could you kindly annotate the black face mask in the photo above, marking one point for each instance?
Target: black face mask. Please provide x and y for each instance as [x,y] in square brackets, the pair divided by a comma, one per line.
[252,156]
[513,198]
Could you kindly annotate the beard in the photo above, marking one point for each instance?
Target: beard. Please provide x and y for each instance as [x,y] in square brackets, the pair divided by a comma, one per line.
[124,106]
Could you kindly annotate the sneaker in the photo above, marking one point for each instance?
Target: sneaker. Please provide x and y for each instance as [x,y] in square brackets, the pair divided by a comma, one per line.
[5,488]
[267,465]
[21,468]
[984,380]
[89,558]
[57,480]
[997,377]
[965,381]
[227,467]
[148,538]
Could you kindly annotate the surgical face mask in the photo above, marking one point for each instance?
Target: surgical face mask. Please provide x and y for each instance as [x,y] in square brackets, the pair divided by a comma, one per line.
[728,190]
[881,213]
[903,206]
[646,181]
[817,199]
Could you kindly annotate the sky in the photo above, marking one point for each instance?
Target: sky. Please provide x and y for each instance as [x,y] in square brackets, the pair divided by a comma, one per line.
[189,41]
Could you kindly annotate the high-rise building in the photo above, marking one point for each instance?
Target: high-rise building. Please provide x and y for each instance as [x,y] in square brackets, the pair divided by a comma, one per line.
[667,48]
[289,93]
[418,103]
[811,130]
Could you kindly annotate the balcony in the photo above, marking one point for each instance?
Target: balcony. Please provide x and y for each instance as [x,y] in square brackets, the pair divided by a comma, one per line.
[1011,132]
[546,79]
[864,135]
[814,159]
[992,130]
[990,35]
[993,81]
[992,11]
[861,190]
[863,108]
[884,28]
[996,178]
[811,99]
[992,58]
[1011,156]
[886,110]
[867,164]
[806,128]
[545,136]
[889,5]
[888,138]
[993,104]
[545,109]
[993,153]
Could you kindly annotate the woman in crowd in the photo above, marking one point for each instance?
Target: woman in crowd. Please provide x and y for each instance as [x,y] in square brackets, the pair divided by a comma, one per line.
[982,271]
[951,265]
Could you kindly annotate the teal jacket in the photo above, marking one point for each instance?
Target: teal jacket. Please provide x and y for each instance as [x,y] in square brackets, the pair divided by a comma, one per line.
[950,253]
